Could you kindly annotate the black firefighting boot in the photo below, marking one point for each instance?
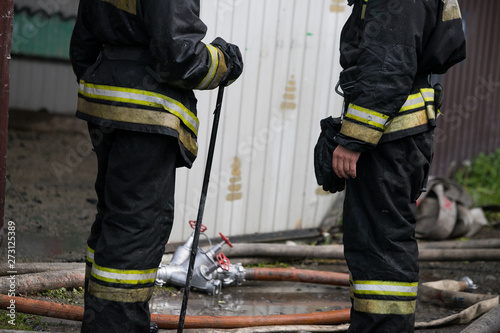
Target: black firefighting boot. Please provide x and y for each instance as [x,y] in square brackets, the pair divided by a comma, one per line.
[153,328]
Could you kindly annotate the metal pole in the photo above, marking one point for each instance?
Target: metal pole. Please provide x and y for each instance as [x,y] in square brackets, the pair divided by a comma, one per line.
[6,18]
[201,208]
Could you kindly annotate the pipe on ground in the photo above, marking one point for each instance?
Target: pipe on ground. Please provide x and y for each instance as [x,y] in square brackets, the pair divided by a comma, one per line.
[39,267]
[72,312]
[337,252]
[36,282]
[488,243]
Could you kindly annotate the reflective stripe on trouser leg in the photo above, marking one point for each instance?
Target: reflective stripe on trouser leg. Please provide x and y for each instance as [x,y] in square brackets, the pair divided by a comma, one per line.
[135,187]
[379,228]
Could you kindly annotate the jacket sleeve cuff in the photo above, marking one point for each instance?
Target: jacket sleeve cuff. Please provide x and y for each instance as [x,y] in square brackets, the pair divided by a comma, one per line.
[217,69]
[353,144]
[362,127]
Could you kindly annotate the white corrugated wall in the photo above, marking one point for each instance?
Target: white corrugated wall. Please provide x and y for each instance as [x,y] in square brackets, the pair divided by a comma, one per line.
[262,177]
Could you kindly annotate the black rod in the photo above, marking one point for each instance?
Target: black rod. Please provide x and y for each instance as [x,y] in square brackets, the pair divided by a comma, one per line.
[201,208]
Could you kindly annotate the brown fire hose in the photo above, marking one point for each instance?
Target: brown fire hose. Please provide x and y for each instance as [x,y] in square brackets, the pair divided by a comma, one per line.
[297,275]
[72,312]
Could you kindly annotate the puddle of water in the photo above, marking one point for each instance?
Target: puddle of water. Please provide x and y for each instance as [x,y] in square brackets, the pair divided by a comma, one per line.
[256,298]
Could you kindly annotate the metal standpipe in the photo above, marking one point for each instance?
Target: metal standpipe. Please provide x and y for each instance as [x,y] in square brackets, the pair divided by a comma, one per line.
[213,271]
[209,275]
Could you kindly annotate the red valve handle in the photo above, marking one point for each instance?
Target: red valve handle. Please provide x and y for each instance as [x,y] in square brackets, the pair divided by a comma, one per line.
[225,239]
[193,226]
[223,261]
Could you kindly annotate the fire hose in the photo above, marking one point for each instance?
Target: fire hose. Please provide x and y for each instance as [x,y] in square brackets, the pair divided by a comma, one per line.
[445,291]
[430,292]
[72,312]
[210,274]
[207,273]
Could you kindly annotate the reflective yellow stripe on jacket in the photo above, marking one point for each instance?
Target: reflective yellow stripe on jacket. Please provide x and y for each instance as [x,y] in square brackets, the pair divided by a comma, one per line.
[369,125]
[384,297]
[142,98]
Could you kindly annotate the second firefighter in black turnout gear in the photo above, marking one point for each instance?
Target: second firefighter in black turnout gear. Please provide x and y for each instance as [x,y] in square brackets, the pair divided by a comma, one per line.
[388,50]
[137,63]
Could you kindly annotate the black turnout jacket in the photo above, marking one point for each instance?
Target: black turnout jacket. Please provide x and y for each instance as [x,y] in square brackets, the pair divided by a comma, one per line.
[137,63]
[388,48]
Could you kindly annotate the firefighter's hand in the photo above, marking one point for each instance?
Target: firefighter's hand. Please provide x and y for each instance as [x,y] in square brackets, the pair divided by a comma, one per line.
[233,59]
[344,162]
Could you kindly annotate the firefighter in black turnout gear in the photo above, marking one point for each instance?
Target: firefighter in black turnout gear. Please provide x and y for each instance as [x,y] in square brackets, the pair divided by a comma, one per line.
[137,63]
[389,48]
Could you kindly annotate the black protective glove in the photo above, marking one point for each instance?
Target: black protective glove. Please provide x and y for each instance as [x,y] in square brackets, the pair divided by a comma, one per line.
[323,152]
[233,58]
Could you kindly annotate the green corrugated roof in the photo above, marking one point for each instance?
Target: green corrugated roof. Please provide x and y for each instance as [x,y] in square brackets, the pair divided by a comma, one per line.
[39,35]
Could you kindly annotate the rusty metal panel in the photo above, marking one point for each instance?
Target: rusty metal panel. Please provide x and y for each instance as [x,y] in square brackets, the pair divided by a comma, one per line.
[6,17]
[470,122]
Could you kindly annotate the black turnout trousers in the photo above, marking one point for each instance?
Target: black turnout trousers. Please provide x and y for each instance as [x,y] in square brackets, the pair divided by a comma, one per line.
[135,211]
[379,233]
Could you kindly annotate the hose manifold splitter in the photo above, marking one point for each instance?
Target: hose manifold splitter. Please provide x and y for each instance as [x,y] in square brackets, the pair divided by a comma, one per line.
[212,270]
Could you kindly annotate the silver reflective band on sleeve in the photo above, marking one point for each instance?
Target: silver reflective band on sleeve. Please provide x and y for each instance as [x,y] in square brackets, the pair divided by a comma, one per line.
[427,94]
[414,101]
[140,97]
[367,116]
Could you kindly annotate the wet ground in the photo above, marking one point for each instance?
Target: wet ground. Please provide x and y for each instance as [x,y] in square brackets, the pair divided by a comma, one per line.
[258,298]
[50,197]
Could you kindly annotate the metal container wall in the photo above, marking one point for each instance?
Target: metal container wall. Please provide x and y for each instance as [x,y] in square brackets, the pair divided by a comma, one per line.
[470,124]
[263,178]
